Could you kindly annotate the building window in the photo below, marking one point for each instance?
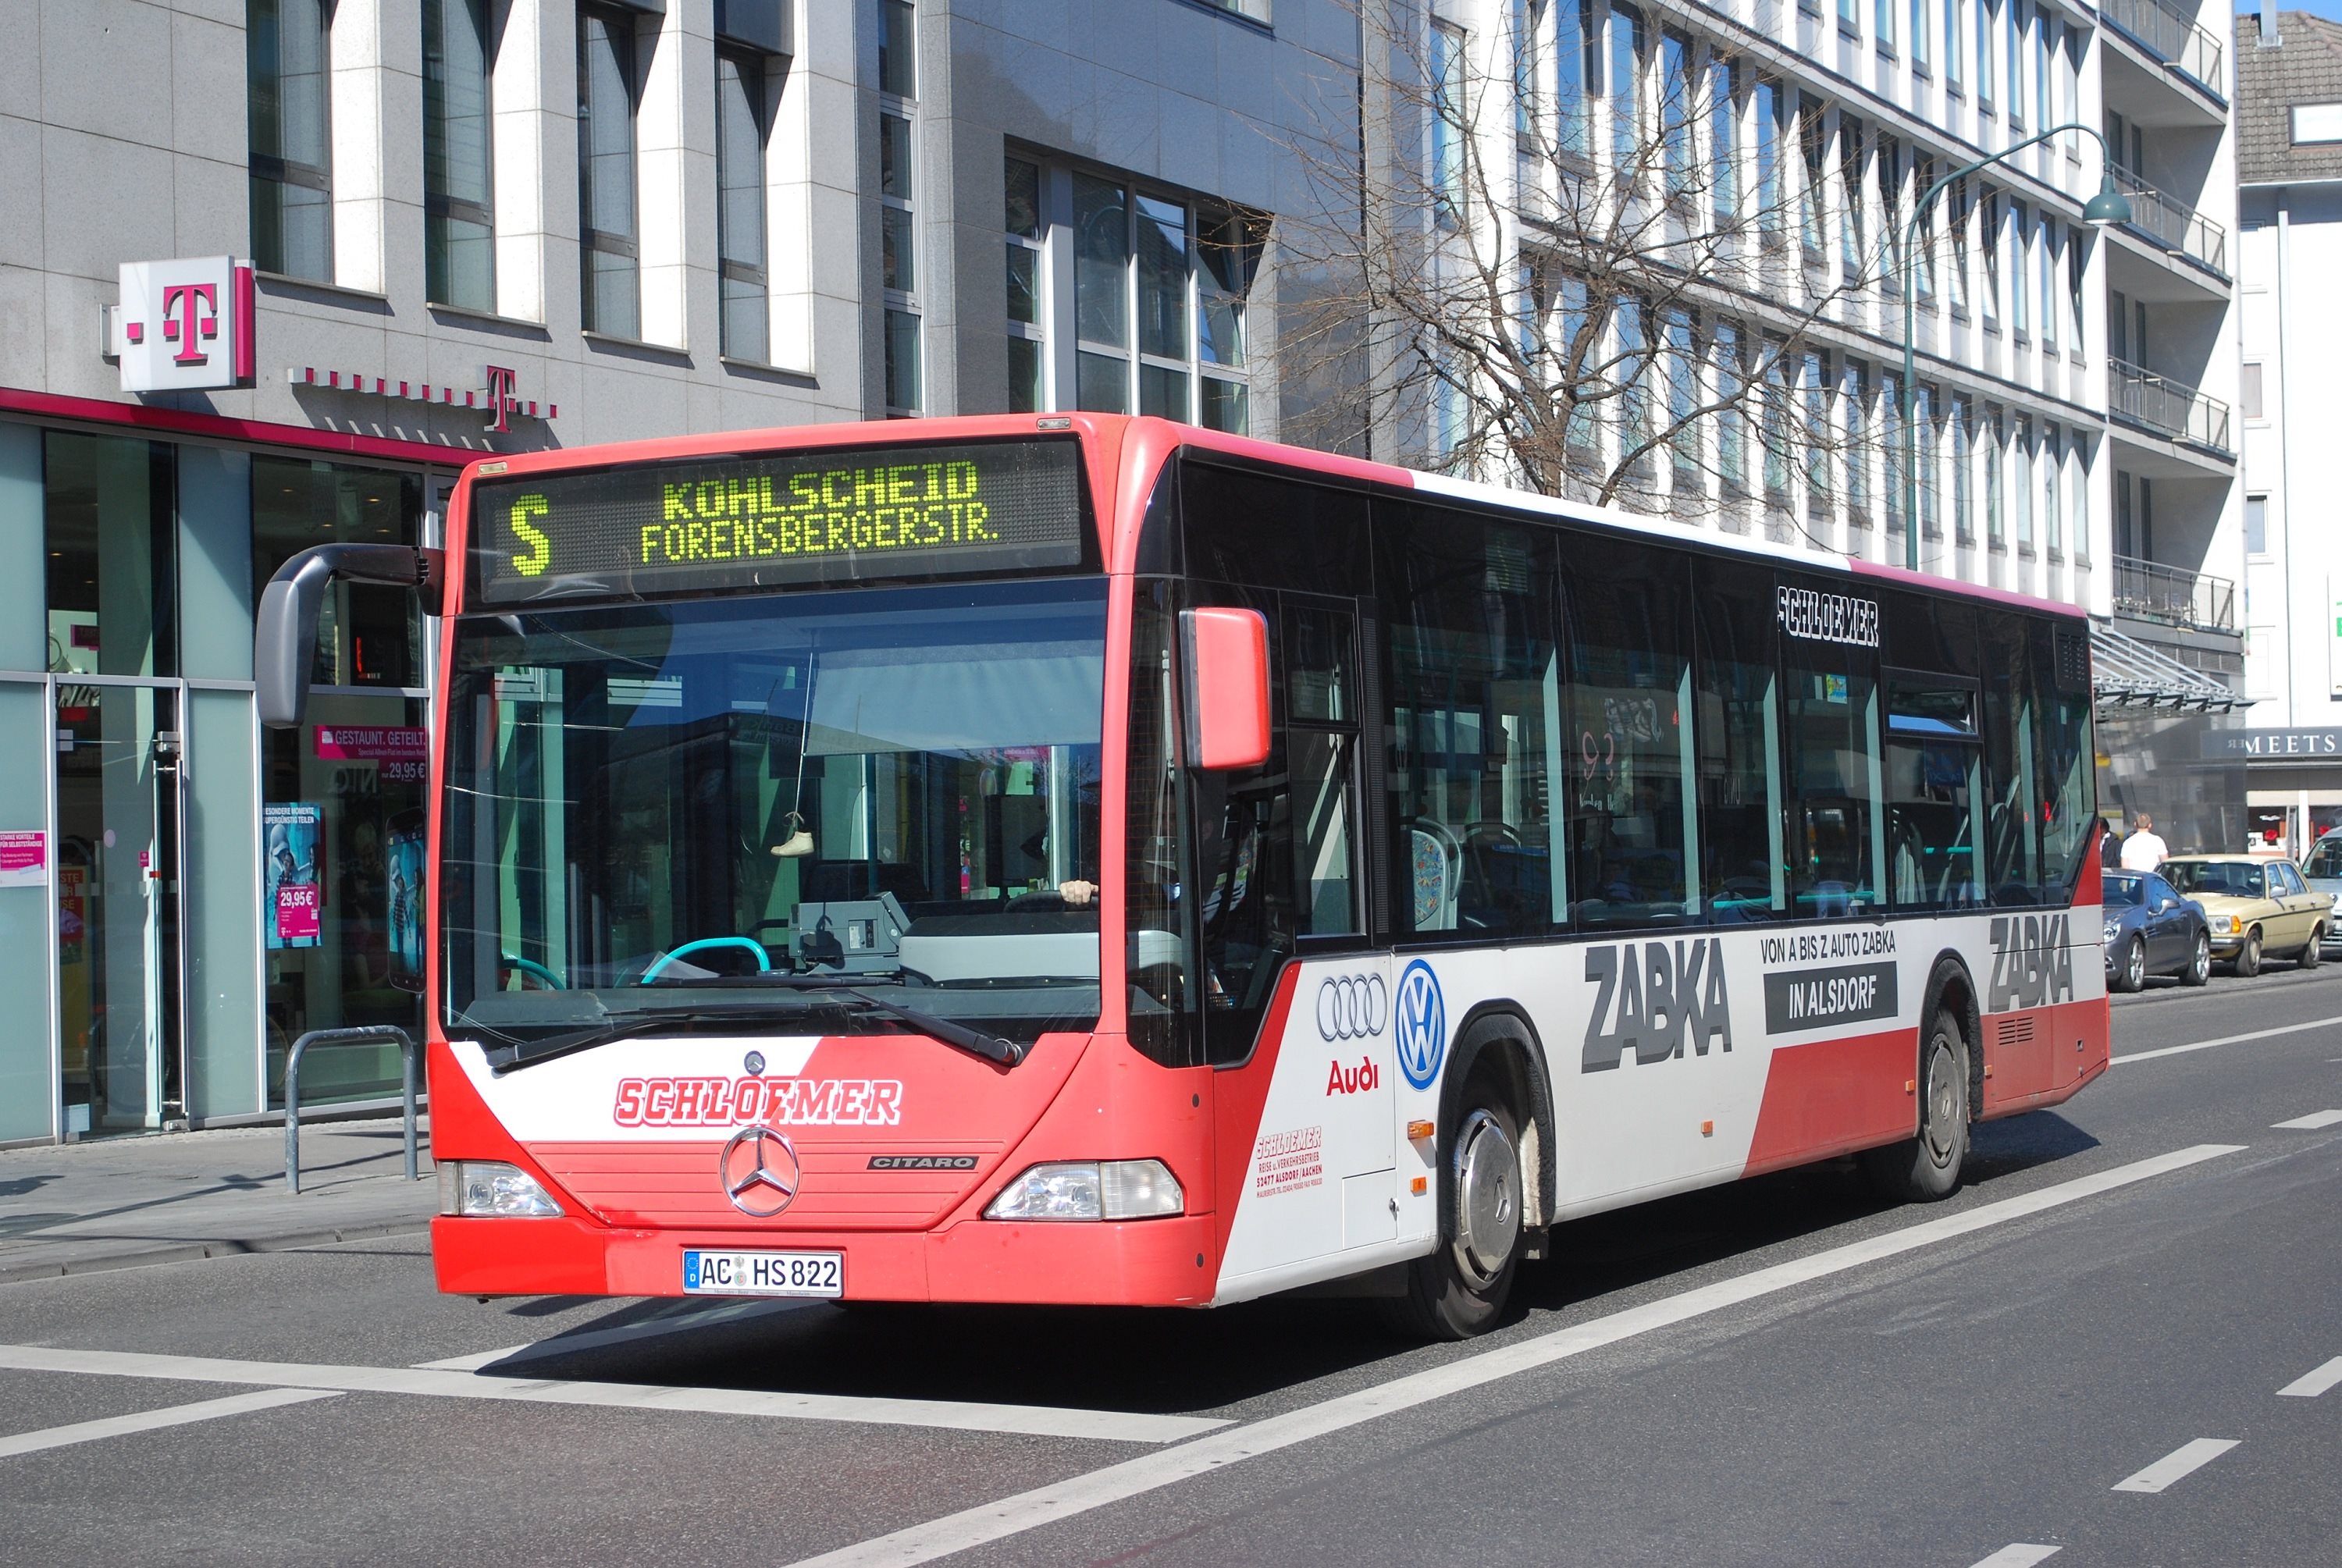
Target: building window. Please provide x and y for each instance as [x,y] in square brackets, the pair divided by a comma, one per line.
[1731,418]
[1854,236]
[459,235]
[1923,415]
[1890,432]
[2075,268]
[1855,389]
[741,127]
[1993,533]
[1573,43]
[611,295]
[1963,454]
[2045,252]
[1626,88]
[898,271]
[2013,35]
[1813,142]
[1160,315]
[1723,145]
[2053,521]
[2316,122]
[1883,23]
[1255,10]
[2020,483]
[1921,36]
[1028,388]
[1770,201]
[2019,315]
[1447,126]
[1955,15]
[1988,15]
[1989,243]
[2251,390]
[291,142]
[2257,526]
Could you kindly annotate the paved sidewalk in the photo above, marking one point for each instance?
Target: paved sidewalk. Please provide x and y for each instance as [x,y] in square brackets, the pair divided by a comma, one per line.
[121,1202]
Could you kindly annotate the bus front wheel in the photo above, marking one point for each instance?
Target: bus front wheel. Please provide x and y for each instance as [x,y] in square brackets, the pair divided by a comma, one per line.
[1928,1167]
[1460,1289]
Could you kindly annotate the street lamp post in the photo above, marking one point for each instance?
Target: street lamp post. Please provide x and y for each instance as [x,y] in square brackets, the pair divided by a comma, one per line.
[2108,206]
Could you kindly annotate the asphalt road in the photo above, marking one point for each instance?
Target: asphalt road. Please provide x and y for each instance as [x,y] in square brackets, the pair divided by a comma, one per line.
[1784,1371]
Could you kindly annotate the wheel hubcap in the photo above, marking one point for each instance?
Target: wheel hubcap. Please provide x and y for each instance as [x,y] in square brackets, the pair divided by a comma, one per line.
[2137,967]
[1488,1197]
[1943,1102]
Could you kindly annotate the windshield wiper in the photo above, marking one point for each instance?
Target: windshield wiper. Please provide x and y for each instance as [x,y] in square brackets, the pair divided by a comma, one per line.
[975,1042]
[625,1026]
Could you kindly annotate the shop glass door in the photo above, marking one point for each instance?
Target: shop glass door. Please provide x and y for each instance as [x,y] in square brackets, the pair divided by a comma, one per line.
[118,887]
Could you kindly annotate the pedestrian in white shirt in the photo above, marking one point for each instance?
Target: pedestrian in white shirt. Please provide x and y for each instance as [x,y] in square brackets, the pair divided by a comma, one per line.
[2143,851]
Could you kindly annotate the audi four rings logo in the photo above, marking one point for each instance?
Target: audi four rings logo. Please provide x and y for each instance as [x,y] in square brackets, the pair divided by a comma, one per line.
[760,1171]
[1352,1007]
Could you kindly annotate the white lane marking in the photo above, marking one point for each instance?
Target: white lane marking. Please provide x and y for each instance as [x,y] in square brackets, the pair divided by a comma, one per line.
[472,1363]
[156,1420]
[1033,1420]
[2182,1461]
[2312,1383]
[1026,1511]
[2020,1555]
[2309,1124]
[2226,1040]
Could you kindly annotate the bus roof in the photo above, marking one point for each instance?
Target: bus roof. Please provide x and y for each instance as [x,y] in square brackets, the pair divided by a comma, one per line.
[1132,450]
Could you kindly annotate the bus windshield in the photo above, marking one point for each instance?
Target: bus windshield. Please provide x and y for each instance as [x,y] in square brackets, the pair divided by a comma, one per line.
[677,805]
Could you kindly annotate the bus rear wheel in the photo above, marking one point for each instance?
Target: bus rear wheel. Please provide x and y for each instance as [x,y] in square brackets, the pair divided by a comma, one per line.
[1925,1168]
[1461,1288]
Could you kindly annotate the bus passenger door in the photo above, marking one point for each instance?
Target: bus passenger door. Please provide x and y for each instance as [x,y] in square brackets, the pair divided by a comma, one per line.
[1297,1010]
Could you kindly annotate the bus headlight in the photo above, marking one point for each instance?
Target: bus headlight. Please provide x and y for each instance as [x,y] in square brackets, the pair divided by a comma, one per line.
[485,1189]
[1091,1190]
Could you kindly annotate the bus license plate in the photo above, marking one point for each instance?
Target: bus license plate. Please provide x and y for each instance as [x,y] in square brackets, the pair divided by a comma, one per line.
[764,1273]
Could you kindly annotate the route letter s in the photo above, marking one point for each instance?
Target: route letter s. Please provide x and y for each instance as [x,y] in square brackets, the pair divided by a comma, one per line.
[524,507]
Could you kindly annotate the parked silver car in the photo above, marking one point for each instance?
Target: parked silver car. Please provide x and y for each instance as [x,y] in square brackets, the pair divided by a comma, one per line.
[2322,869]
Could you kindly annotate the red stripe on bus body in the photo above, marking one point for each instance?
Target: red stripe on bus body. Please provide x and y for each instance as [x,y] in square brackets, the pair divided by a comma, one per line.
[1827,1097]
[2041,1056]
[1238,1096]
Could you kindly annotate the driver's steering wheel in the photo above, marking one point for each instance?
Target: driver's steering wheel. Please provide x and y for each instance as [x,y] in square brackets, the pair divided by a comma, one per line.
[764,962]
[1041,901]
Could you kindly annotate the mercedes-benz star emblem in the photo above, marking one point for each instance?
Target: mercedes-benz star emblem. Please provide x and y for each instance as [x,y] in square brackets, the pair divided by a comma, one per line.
[754,1061]
[760,1171]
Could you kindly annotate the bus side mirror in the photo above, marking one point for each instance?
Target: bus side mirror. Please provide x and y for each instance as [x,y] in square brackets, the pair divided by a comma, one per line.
[285,642]
[1227,656]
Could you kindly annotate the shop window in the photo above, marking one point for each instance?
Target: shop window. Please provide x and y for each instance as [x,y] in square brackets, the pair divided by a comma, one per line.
[112,555]
[368,635]
[342,818]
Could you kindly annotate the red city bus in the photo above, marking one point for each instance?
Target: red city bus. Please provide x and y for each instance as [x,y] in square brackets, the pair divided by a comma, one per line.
[1080,859]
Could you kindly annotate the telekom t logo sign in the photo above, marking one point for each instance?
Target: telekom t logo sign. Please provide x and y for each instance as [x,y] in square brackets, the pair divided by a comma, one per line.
[183,326]
[190,315]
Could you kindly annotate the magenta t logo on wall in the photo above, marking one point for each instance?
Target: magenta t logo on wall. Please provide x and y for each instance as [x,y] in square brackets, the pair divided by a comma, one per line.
[183,326]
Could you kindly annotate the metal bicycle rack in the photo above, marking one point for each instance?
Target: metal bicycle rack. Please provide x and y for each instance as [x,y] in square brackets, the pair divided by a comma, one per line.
[409,1056]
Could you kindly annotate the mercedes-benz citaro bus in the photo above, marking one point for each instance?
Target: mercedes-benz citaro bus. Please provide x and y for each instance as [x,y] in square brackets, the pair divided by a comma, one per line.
[1080,859]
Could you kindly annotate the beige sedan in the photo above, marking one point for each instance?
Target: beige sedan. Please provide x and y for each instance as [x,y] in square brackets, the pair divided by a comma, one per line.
[2255,905]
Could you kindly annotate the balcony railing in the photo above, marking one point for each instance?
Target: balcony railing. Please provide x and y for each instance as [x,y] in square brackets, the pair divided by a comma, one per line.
[2171,409]
[2172,38]
[2173,223]
[2173,595]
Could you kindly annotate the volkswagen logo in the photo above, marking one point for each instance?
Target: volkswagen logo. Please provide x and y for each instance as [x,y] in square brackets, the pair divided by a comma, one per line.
[1420,1025]
[1352,1007]
[760,1172]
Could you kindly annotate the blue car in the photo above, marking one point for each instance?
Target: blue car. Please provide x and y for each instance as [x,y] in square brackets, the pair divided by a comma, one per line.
[2151,930]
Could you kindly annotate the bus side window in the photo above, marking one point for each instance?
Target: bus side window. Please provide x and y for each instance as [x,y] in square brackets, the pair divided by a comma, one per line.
[1831,723]
[1474,722]
[1742,860]
[1628,814]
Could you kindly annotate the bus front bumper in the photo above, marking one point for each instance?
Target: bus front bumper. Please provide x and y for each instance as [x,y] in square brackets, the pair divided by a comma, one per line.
[1135,1263]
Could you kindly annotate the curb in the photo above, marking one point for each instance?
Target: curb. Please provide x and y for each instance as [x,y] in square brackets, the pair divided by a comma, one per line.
[193,1252]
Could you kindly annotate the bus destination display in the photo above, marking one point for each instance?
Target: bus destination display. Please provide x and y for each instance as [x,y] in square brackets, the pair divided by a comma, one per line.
[782,519]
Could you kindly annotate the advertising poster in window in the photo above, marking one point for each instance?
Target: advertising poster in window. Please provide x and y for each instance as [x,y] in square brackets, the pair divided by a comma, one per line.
[404,873]
[294,890]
